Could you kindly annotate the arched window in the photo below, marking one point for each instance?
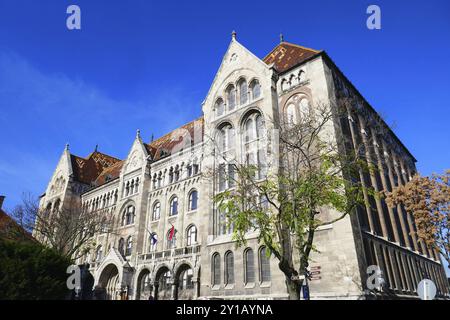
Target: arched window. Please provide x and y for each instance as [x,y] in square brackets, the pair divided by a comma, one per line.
[255,88]
[173,206]
[171,175]
[231,97]
[301,76]
[243,92]
[127,188]
[291,115]
[264,265]
[128,215]
[99,253]
[153,240]
[249,130]
[254,145]
[122,246]
[171,238]
[136,186]
[164,281]
[226,138]
[129,248]
[220,107]
[191,235]
[229,268]
[193,199]
[156,211]
[185,279]
[304,108]
[249,266]
[215,267]
[226,153]
[284,85]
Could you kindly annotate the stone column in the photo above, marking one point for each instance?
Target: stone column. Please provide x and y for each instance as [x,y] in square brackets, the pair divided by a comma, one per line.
[399,207]
[361,175]
[408,214]
[196,282]
[174,294]
[372,177]
[385,186]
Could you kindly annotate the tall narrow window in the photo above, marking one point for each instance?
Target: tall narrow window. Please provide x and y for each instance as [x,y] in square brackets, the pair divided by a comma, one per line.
[255,89]
[129,248]
[243,92]
[291,114]
[231,97]
[153,240]
[129,215]
[222,177]
[215,267]
[304,109]
[229,268]
[122,246]
[171,238]
[173,206]
[264,265]
[249,266]
[193,199]
[220,108]
[191,235]
[156,212]
[254,145]
[99,253]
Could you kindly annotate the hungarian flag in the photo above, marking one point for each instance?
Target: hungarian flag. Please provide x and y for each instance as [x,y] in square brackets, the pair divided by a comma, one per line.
[171,232]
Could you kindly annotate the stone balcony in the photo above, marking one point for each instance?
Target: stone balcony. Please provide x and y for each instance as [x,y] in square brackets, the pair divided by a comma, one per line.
[177,253]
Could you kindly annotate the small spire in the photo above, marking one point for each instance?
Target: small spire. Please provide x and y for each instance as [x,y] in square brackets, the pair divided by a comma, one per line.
[96,148]
[152,138]
[233,35]
[67,146]
[138,133]
[281,38]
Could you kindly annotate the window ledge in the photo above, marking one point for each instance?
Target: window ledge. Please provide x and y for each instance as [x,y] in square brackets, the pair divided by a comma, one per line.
[249,285]
[215,287]
[265,284]
[229,287]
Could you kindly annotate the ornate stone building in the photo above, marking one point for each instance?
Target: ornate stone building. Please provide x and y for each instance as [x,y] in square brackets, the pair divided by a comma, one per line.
[171,241]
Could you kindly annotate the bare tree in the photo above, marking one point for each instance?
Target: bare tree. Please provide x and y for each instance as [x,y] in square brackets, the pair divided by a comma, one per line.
[315,183]
[68,229]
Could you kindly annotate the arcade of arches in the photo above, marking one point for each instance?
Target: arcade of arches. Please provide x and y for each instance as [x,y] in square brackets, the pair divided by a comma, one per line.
[166,285]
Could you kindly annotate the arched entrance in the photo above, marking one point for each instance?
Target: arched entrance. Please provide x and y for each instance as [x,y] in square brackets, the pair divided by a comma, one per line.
[109,283]
[185,289]
[144,287]
[163,287]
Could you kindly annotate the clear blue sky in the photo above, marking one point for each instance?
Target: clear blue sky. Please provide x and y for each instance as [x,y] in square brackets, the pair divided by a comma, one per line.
[149,64]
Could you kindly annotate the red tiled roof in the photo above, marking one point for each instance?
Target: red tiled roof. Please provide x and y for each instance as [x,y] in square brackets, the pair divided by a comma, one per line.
[287,55]
[11,230]
[163,146]
[109,173]
[86,170]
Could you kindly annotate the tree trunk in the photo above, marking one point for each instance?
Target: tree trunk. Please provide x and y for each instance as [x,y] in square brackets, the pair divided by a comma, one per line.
[293,288]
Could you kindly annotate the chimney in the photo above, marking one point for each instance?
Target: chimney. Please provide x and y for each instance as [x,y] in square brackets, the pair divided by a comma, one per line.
[2,198]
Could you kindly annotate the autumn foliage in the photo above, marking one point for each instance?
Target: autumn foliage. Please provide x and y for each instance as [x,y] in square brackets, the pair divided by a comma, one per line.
[428,199]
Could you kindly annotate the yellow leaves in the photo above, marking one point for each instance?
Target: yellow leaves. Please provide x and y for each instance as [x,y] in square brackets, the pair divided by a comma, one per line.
[428,199]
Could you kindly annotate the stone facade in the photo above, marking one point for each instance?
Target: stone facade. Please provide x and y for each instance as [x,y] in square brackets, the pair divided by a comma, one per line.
[166,185]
